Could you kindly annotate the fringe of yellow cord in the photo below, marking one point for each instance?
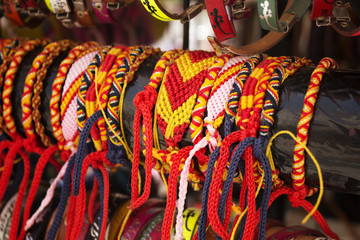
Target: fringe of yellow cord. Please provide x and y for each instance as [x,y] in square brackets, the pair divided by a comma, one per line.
[321,182]
[121,104]
[105,117]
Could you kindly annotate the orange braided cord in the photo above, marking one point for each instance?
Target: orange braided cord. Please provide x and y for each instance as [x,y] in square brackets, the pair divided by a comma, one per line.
[38,88]
[26,98]
[58,83]
[9,81]
[298,172]
[7,54]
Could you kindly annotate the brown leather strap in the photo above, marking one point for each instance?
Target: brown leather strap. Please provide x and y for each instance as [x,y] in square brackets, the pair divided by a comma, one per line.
[83,14]
[261,45]
[343,23]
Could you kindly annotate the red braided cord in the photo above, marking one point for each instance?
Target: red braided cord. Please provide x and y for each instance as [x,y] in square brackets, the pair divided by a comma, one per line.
[38,89]
[70,217]
[144,102]
[92,200]
[8,165]
[304,204]
[40,165]
[96,159]
[172,192]
[298,172]
[251,87]
[21,193]
[105,201]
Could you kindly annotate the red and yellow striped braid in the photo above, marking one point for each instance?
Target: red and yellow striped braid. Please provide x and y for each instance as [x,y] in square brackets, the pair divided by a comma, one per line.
[112,110]
[30,80]
[248,96]
[254,115]
[57,87]
[5,41]
[99,80]
[7,54]
[9,81]
[197,122]
[231,107]
[86,81]
[298,172]
[104,91]
[285,69]
[62,46]
[132,61]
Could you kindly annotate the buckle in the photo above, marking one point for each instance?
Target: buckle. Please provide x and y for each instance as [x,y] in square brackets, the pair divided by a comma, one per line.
[341,13]
[239,10]
[98,5]
[288,21]
[114,5]
[62,15]
[192,12]
[323,21]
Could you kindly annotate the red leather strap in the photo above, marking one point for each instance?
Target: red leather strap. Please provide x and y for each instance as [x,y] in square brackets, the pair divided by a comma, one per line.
[321,8]
[223,27]
[22,20]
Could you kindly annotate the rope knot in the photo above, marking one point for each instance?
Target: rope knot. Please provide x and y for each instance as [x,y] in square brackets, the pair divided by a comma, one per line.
[297,196]
[145,98]
[33,145]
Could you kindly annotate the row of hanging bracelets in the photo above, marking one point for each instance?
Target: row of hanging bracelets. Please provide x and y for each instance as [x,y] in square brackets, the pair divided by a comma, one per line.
[195,91]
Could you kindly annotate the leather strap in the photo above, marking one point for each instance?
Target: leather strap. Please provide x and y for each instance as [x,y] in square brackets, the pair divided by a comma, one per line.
[63,12]
[220,21]
[321,10]
[268,15]
[191,218]
[342,22]
[261,45]
[32,8]
[157,11]
[116,4]
[101,12]
[83,14]
[17,18]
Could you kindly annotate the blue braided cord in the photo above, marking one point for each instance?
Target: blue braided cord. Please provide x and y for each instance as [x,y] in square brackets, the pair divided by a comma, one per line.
[116,154]
[259,152]
[65,191]
[81,154]
[205,194]
[231,171]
